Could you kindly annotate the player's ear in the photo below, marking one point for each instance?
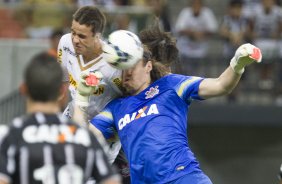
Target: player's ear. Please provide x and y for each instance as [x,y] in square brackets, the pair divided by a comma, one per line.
[23,89]
[149,66]
[98,35]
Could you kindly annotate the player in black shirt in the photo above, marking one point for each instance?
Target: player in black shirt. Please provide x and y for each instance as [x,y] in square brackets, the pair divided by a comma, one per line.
[44,146]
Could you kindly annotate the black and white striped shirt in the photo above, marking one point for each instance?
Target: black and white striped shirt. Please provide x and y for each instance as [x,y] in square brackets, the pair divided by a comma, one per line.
[50,149]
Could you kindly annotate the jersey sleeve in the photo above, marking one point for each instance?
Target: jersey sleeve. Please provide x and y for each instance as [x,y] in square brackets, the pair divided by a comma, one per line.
[102,169]
[7,158]
[181,20]
[104,122]
[115,81]
[187,87]
[4,129]
[62,58]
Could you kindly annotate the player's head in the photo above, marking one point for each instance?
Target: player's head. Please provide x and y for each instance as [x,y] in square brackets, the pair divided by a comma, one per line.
[43,79]
[87,26]
[268,4]
[235,8]
[143,74]
[162,44]
[197,6]
[55,37]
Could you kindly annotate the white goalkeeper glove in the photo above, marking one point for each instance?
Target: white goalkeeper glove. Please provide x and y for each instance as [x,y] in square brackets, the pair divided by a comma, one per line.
[245,55]
[88,83]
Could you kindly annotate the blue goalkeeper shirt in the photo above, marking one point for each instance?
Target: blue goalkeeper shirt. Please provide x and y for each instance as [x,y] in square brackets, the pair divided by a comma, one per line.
[152,127]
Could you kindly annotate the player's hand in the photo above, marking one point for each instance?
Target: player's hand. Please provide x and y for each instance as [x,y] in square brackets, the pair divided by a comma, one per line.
[88,83]
[245,55]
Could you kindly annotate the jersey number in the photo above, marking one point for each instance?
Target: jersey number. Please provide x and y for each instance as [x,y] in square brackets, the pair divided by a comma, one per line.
[67,174]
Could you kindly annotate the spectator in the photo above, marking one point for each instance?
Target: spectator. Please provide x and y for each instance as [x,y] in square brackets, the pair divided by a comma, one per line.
[54,42]
[249,6]
[265,31]
[106,3]
[161,11]
[45,15]
[10,25]
[194,26]
[123,21]
[266,26]
[233,28]
[162,45]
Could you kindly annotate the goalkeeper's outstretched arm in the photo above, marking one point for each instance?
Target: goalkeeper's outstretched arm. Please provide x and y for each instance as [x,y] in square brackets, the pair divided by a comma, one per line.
[228,80]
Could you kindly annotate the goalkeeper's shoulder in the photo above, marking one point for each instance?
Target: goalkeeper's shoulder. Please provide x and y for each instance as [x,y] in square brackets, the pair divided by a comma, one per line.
[66,45]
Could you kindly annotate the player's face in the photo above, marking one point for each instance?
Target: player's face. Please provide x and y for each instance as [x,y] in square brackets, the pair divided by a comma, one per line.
[138,78]
[84,41]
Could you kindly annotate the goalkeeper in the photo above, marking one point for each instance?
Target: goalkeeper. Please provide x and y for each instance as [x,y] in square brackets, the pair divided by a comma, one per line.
[152,122]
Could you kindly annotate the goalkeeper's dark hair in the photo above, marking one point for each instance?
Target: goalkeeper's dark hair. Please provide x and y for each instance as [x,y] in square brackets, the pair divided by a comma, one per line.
[162,44]
[91,16]
[158,70]
[43,77]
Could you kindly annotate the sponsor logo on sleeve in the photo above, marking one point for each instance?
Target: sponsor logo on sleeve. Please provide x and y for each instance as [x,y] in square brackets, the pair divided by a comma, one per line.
[59,56]
[117,82]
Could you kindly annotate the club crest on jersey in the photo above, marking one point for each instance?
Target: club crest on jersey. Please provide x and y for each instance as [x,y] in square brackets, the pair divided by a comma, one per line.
[152,92]
[141,113]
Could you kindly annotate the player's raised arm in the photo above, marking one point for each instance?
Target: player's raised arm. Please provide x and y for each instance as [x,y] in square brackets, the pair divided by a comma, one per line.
[86,86]
[228,80]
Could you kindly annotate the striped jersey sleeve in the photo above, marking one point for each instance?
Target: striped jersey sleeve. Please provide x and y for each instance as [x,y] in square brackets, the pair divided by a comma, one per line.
[104,121]
[186,87]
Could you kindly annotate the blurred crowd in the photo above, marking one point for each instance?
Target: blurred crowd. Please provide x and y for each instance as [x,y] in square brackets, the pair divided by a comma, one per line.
[199,29]
[37,19]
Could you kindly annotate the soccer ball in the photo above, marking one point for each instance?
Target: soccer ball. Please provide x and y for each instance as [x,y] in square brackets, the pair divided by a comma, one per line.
[123,49]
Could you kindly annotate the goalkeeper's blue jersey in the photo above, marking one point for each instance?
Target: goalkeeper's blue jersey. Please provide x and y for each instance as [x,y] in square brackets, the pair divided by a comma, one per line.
[152,127]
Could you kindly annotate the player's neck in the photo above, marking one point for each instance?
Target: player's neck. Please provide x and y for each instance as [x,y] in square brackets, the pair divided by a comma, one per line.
[142,88]
[91,56]
[48,108]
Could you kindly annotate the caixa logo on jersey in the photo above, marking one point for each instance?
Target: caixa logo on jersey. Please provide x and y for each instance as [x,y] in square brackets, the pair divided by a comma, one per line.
[56,134]
[141,113]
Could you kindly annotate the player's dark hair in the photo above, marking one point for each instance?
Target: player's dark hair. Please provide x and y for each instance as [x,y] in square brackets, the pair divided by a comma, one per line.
[91,16]
[43,78]
[159,69]
[57,33]
[162,44]
[236,3]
